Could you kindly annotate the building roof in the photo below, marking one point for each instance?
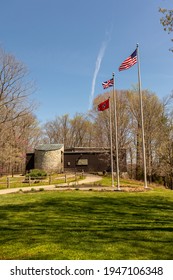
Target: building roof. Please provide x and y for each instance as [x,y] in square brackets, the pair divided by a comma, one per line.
[87,149]
[49,147]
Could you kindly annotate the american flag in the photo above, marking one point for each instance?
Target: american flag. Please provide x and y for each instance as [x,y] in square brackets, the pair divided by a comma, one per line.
[129,62]
[108,83]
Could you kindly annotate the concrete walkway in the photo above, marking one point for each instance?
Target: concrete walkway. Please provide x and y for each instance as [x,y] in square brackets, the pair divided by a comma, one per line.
[65,186]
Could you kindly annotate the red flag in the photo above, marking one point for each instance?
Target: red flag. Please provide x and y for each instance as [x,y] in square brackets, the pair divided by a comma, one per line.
[104,105]
[129,62]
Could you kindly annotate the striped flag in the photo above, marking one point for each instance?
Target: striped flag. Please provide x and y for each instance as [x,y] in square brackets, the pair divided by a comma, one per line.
[104,105]
[129,62]
[108,83]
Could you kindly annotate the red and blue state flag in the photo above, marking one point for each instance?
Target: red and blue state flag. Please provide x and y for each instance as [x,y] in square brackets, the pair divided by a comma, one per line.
[104,105]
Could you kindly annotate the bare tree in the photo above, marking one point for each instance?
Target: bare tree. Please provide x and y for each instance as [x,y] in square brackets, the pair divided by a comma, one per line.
[57,131]
[70,132]
[153,126]
[80,131]
[14,88]
[19,137]
[16,108]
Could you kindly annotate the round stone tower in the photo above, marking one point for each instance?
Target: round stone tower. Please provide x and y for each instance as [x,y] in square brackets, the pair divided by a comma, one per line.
[49,157]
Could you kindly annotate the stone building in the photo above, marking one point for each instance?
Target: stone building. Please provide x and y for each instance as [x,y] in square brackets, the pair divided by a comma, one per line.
[49,157]
[53,158]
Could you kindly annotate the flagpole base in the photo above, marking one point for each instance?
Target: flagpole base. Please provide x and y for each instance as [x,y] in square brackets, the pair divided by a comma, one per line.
[147,188]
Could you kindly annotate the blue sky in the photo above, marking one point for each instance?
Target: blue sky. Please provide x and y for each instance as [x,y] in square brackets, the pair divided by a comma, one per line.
[61,40]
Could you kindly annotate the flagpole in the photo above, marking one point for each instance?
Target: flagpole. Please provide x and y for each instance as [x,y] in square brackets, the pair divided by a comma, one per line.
[116,134]
[110,125]
[142,119]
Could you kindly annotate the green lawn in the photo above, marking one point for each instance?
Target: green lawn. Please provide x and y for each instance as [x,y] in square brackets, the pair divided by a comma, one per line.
[19,181]
[78,225]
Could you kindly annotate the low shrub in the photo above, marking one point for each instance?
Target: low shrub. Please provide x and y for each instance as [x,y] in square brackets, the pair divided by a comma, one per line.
[37,173]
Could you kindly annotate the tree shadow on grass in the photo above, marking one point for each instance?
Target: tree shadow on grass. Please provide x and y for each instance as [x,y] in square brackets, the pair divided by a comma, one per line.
[114,225]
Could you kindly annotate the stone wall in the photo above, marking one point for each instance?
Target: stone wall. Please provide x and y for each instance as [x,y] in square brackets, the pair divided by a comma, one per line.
[50,161]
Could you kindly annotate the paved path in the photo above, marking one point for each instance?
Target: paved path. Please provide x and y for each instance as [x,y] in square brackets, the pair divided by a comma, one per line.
[72,185]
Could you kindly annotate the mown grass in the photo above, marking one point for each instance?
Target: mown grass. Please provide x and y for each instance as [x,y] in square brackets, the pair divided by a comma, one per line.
[106,181]
[78,225]
[19,181]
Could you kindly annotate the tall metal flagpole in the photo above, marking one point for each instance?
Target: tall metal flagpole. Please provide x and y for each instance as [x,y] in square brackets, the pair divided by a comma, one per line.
[110,125]
[116,134]
[142,119]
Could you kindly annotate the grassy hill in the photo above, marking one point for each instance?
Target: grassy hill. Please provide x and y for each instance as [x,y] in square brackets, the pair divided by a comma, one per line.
[87,225]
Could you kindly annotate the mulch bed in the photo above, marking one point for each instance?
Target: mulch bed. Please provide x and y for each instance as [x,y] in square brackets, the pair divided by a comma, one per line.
[106,188]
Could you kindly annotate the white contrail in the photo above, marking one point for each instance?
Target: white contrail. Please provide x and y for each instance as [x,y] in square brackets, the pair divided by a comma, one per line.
[97,68]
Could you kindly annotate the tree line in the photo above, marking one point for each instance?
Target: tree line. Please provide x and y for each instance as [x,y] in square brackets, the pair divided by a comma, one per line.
[19,128]
[92,130]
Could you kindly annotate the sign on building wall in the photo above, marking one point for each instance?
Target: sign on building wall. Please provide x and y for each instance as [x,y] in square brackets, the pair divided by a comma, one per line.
[82,161]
